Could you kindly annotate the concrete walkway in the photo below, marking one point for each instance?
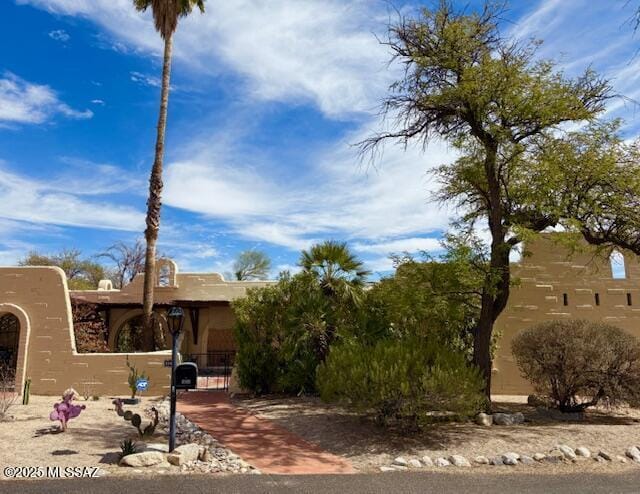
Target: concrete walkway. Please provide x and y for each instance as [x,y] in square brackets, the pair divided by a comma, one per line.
[259,441]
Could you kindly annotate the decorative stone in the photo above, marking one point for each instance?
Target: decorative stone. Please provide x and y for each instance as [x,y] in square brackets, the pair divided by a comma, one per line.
[144,459]
[162,447]
[582,451]
[413,463]
[621,459]
[481,460]
[497,460]
[539,456]
[387,469]
[400,462]
[459,461]
[527,460]
[567,451]
[518,418]
[184,454]
[205,455]
[442,462]
[600,459]
[484,419]
[634,453]
[555,456]
[427,461]
[510,458]
[604,454]
[503,419]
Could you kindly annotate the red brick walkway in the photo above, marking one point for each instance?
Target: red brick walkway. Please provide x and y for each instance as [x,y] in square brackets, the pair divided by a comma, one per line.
[259,441]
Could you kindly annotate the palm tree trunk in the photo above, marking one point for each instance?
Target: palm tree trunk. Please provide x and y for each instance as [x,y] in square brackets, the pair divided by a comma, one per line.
[154,204]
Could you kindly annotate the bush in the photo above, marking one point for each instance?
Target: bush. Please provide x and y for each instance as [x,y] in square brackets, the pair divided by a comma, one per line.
[281,332]
[401,381]
[576,363]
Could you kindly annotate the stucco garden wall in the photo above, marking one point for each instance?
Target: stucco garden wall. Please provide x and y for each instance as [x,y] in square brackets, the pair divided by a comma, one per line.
[39,297]
[544,277]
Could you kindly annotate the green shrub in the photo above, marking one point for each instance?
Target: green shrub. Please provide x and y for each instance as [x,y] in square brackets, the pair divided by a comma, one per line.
[576,364]
[401,381]
[282,331]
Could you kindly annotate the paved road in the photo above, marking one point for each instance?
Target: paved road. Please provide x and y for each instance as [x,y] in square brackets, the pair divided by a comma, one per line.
[388,483]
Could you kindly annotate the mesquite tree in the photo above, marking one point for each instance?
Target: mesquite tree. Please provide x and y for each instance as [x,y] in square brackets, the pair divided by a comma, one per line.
[165,16]
[507,114]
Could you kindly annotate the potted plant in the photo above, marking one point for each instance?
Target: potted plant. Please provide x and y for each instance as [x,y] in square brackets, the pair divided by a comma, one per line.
[135,377]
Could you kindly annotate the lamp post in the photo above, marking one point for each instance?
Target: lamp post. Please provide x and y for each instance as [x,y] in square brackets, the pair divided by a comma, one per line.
[175,320]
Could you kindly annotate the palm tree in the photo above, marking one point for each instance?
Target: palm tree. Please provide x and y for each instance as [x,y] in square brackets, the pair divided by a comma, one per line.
[335,267]
[341,276]
[165,16]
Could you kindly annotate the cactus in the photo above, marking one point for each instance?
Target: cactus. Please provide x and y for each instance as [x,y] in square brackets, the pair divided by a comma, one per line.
[26,392]
[136,419]
[66,410]
[134,375]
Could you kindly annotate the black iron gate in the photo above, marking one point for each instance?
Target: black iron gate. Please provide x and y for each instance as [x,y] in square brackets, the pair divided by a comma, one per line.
[214,369]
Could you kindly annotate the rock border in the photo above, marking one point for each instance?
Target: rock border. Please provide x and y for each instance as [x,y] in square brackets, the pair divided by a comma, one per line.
[559,453]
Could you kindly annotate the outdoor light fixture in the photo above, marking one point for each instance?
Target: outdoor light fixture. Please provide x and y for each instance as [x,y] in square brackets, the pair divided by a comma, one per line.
[175,320]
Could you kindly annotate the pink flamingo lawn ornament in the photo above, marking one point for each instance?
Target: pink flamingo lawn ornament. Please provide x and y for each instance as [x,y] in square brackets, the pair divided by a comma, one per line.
[66,410]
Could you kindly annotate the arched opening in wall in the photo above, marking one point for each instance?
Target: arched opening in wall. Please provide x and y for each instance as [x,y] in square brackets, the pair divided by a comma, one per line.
[618,269]
[130,337]
[164,275]
[9,340]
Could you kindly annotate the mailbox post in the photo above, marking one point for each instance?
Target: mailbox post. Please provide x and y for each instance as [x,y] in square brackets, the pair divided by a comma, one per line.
[175,320]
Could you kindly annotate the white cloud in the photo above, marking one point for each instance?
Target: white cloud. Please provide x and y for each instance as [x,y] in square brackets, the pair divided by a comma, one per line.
[145,80]
[319,51]
[53,203]
[333,197]
[60,35]
[414,244]
[98,102]
[25,102]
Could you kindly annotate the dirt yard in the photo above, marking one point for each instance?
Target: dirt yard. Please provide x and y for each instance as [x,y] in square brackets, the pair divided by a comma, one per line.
[368,446]
[91,440]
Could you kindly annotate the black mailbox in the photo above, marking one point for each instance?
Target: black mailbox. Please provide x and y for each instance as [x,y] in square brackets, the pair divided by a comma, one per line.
[186,376]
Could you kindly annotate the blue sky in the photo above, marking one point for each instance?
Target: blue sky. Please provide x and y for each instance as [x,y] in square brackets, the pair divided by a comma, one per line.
[267,98]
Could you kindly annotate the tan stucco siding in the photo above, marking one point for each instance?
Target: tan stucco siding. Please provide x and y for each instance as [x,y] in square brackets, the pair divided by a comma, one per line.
[39,297]
[543,278]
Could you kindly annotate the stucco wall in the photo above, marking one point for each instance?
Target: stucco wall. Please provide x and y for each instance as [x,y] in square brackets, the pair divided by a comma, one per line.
[39,297]
[544,277]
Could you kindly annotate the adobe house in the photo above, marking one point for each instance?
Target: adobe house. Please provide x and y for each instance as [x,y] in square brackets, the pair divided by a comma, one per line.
[551,284]
[37,335]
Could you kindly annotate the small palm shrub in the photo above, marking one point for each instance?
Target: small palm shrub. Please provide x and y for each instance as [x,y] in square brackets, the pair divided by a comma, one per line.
[401,381]
[576,363]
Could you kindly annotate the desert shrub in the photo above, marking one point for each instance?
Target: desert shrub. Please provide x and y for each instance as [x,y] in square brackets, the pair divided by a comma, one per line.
[402,381]
[576,363]
[8,396]
[279,331]
[431,298]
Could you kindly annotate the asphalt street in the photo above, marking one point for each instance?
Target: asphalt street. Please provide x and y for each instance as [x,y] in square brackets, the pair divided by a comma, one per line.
[423,483]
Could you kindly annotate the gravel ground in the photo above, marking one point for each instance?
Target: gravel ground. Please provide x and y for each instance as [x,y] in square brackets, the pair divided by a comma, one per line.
[93,439]
[368,446]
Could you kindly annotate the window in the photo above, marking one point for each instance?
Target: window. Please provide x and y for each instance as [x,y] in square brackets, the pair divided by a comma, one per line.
[565,299]
[597,297]
[164,275]
[618,269]
[629,301]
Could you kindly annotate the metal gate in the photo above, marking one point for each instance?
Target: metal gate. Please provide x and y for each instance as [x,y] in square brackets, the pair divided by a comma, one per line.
[214,369]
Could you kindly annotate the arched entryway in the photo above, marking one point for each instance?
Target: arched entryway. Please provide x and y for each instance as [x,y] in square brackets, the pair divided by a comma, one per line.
[9,347]
[129,335]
